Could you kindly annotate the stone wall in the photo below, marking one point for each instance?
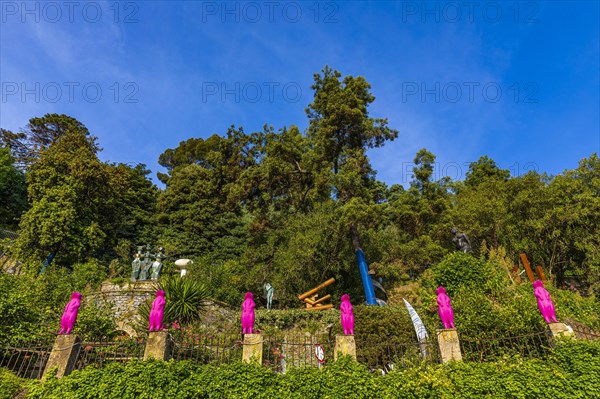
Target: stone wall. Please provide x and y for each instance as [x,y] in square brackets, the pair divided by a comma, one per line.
[126,299]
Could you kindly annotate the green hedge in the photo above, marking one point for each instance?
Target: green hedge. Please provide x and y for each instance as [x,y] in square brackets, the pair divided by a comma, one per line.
[572,371]
[10,384]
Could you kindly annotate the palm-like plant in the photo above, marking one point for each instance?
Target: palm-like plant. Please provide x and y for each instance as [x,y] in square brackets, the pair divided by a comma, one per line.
[185,299]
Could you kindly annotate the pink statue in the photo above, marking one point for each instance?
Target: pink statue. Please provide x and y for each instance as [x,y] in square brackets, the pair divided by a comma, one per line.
[67,321]
[248,313]
[444,308]
[157,312]
[545,304]
[347,317]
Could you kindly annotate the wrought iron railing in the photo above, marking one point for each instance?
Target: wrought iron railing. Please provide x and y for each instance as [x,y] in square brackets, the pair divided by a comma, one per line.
[285,350]
[99,352]
[492,348]
[208,349]
[386,353]
[582,331]
[26,359]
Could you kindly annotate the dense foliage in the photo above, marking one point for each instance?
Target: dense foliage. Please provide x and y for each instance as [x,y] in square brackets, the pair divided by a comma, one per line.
[278,205]
[10,384]
[30,308]
[572,370]
[13,190]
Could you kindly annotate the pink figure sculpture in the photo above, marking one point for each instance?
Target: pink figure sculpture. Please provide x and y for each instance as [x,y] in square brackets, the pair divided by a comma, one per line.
[248,313]
[545,304]
[347,317]
[444,308]
[157,312]
[67,321]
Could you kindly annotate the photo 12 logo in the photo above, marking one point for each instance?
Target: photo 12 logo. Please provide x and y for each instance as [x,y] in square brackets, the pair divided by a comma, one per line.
[471,92]
[251,92]
[457,171]
[269,11]
[70,92]
[69,11]
[470,11]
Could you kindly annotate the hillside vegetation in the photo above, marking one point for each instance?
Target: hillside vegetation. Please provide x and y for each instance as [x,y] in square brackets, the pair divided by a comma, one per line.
[278,205]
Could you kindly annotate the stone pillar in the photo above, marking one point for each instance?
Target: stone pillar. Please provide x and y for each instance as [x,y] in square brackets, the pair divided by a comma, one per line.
[158,345]
[560,330]
[64,354]
[253,348]
[344,345]
[449,345]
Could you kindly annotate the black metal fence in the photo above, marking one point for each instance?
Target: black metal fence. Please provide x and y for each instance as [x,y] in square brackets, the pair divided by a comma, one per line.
[284,351]
[99,352]
[280,352]
[26,359]
[208,349]
[386,353]
[582,331]
[492,348]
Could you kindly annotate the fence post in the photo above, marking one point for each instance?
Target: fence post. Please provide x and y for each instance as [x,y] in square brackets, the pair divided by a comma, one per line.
[344,345]
[64,354]
[560,330]
[449,345]
[158,345]
[253,348]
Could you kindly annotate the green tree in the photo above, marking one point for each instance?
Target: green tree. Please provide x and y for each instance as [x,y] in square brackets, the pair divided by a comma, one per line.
[419,222]
[484,170]
[39,134]
[423,171]
[570,224]
[206,184]
[284,179]
[13,190]
[134,203]
[198,151]
[341,130]
[15,142]
[69,190]
[305,251]
[482,204]
[339,117]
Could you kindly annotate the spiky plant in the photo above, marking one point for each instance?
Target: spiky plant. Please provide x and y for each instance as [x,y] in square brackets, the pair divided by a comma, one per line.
[185,301]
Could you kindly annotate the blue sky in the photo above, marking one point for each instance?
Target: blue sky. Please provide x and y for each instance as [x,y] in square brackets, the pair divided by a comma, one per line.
[517,81]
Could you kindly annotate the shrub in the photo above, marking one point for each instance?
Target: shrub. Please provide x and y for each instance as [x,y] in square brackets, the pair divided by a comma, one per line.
[458,269]
[88,275]
[95,322]
[10,384]
[18,315]
[573,370]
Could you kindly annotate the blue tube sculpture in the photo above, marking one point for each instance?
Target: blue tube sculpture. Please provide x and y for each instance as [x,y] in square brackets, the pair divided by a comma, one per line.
[47,261]
[366,279]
